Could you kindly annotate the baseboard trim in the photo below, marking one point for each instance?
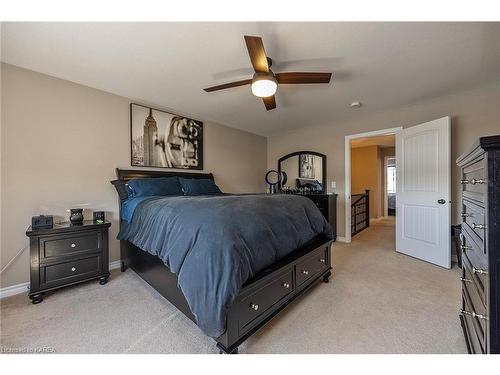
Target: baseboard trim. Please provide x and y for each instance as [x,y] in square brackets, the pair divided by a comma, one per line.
[340,239]
[24,287]
[114,265]
[13,290]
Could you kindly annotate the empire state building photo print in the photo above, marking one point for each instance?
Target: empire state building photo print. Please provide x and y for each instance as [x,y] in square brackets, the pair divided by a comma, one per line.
[162,139]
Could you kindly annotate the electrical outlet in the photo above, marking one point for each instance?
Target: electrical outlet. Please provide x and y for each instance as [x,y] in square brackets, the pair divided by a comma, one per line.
[334,184]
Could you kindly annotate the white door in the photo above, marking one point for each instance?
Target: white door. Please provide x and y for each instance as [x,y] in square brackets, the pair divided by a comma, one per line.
[423,192]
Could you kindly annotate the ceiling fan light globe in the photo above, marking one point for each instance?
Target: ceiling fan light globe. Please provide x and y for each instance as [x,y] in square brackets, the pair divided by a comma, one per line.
[264,87]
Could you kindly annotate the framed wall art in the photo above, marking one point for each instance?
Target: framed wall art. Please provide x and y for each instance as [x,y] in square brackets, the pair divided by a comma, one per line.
[166,140]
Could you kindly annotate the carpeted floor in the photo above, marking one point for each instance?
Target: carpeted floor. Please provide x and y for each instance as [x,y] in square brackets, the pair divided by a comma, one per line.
[378,301]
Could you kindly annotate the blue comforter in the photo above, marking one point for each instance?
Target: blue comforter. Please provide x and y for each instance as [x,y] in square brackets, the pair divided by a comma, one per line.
[216,243]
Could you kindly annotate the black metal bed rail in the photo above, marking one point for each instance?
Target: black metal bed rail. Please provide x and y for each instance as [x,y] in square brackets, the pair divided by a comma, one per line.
[360,212]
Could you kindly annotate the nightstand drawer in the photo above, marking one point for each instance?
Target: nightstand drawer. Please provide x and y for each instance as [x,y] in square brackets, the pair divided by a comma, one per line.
[71,271]
[70,244]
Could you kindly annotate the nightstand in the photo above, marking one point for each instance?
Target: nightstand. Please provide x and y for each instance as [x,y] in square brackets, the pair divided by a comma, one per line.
[67,254]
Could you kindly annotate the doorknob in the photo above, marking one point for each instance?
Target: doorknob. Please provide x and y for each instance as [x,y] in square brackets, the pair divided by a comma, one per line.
[441,201]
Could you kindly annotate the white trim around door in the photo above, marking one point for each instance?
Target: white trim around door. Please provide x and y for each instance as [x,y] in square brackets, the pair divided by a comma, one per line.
[347,168]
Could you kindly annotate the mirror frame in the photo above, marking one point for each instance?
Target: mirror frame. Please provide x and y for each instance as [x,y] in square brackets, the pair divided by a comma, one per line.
[298,153]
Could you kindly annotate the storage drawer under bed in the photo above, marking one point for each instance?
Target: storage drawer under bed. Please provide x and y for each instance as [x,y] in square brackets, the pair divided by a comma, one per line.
[257,302]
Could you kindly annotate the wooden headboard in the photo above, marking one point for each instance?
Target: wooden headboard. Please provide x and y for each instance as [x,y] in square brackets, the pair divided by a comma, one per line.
[127,174]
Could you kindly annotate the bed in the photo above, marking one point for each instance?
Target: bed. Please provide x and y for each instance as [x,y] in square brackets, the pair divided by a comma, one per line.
[204,256]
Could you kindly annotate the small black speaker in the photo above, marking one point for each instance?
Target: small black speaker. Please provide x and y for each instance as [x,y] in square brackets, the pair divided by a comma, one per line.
[99,217]
[42,222]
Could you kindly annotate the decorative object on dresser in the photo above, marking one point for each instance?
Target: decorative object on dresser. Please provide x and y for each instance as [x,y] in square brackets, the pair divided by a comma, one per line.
[162,139]
[76,215]
[67,254]
[480,243]
[273,179]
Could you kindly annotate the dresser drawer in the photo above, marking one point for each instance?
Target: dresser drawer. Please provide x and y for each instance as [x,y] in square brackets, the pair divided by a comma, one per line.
[470,332]
[478,325]
[469,280]
[70,244]
[478,268]
[473,180]
[71,271]
[320,201]
[266,295]
[474,219]
[312,266]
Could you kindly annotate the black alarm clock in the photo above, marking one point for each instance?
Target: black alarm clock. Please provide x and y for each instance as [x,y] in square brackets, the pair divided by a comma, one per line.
[99,217]
[42,222]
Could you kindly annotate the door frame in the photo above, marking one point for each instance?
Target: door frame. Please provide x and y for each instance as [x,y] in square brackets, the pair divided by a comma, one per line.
[347,168]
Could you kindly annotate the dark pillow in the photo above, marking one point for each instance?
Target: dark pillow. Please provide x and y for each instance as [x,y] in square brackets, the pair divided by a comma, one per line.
[199,186]
[146,187]
[121,188]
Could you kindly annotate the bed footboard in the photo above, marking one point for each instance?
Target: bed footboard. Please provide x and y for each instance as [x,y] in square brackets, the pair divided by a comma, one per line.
[260,299]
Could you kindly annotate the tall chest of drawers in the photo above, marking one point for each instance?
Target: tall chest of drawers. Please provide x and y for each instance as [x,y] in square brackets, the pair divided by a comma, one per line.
[480,243]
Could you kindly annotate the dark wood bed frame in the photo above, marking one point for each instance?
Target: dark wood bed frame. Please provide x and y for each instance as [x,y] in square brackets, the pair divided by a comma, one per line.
[260,299]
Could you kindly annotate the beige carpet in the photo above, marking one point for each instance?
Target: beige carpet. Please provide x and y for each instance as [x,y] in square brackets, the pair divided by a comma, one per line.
[378,302]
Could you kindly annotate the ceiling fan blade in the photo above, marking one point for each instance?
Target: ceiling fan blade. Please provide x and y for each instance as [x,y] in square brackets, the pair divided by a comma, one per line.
[228,85]
[269,102]
[302,77]
[257,54]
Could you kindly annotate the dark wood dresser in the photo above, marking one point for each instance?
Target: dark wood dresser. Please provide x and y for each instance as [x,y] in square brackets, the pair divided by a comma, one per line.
[480,237]
[327,204]
[67,254]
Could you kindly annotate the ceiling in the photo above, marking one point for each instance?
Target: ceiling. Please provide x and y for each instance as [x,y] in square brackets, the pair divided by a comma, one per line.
[382,65]
[383,141]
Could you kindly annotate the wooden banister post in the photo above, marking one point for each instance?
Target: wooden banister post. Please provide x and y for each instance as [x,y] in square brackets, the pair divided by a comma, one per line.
[367,191]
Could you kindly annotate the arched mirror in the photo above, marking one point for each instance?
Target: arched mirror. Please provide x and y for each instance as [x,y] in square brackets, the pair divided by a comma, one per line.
[305,171]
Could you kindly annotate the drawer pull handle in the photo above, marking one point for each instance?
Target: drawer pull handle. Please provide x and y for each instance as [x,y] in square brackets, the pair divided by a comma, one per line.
[463,214]
[464,182]
[473,314]
[322,260]
[285,285]
[73,245]
[305,272]
[254,306]
[479,271]
[465,280]
[464,247]
[478,226]
[474,181]
[73,269]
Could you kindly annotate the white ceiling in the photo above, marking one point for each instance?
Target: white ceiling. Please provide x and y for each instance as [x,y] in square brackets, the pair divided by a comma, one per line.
[168,64]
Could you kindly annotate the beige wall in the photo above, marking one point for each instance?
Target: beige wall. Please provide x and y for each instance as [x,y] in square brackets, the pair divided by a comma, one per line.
[61,143]
[365,174]
[473,113]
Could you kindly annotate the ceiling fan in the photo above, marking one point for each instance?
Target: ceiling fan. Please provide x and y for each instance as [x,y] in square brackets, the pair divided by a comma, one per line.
[264,82]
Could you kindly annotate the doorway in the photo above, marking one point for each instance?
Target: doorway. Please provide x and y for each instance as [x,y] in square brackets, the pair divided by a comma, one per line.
[365,179]
[423,184]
